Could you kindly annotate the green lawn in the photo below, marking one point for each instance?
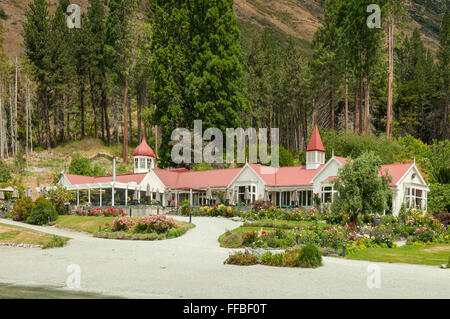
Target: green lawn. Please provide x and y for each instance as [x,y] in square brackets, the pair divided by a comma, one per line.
[423,255]
[88,224]
[19,235]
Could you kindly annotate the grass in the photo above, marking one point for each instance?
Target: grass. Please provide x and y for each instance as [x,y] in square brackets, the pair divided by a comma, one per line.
[19,235]
[433,255]
[89,224]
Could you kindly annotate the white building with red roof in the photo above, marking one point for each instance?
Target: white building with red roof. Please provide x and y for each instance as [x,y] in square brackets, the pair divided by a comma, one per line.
[284,186]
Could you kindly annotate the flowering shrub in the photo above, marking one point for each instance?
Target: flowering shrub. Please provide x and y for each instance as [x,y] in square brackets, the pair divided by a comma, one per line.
[122,223]
[159,223]
[248,238]
[241,259]
[110,212]
[297,214]
[213,211]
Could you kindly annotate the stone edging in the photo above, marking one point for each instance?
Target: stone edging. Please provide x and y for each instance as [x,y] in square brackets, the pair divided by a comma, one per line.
[21,245]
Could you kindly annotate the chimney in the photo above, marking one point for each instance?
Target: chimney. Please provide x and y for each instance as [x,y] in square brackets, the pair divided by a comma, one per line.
[114,169]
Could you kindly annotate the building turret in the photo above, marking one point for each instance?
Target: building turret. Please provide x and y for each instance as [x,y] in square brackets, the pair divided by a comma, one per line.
[315,152]
[144,157]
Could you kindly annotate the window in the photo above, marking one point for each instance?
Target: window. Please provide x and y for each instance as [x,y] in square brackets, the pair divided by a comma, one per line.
[136,163]
[328,194]
[142,161]
[415,198]
[305,198]
[149,163]
[251,191]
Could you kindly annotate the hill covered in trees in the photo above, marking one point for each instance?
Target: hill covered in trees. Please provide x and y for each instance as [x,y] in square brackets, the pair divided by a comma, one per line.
[149,66]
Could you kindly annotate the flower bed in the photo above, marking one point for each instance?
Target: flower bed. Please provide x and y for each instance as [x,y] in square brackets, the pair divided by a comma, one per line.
[98,212]
[216,210]
[308,256]
[155,227]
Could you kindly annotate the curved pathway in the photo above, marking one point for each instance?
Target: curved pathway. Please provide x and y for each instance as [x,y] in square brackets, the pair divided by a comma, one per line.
[191,266]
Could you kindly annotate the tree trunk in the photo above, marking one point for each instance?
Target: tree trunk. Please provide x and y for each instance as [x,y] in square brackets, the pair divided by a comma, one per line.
[105,110]
[11,124]
[367,106]
[125,122]
[346,104]
[390,76]
[81,88]
[46,117]
[130,123]
[356,111]
[332,100]
[2,144]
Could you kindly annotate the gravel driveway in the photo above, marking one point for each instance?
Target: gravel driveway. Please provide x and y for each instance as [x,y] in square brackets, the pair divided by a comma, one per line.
[191,266]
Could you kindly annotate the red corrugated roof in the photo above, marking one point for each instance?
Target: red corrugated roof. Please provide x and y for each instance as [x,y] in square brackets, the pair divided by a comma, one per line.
[315,143]
[285,176]
[197,179]
[396,171]
[219,178]
[143,149]
[121,178]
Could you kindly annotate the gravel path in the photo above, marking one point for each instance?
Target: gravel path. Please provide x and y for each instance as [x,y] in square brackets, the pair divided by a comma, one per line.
[192,266]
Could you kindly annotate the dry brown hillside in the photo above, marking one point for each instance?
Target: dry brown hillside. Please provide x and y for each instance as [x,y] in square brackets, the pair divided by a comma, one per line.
[299,18]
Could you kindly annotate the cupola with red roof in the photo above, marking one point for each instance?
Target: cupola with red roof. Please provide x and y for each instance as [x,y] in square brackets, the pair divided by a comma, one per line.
[315,152]
[144,157]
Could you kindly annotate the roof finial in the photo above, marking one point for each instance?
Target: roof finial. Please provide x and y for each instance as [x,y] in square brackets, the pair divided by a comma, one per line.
[414,160]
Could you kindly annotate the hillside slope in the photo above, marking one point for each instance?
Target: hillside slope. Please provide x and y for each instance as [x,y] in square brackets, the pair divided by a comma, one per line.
[299,18]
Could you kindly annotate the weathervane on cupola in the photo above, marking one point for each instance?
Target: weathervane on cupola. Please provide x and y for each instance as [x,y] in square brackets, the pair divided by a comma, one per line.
[144,158]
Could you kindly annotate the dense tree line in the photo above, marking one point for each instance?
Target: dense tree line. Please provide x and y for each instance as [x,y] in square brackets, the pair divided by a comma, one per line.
[146,67]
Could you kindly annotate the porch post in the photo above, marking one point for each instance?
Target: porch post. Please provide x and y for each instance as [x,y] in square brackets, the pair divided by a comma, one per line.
[112,195]
[191,198]
[101,197]
[89,195]
[78,197]
[126,196]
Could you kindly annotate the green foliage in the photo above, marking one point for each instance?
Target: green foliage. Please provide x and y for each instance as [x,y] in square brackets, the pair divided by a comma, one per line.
[195,66]
[22,209]
[352,145]
[42,213]
[185,208]
[56,241]
[5,172]
[439,199]
[286,157]
[59,196]
[360,189]
[310,257]
[203,166]
[80,165]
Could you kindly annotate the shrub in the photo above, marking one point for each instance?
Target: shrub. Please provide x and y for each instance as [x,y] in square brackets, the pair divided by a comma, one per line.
[42,213]
[249,238]
[309,257]
[439,199]
[185,208]
[59,196]
[80,165]
[56,242]
[160,224]
[444,219]
[5,172]
[22,209]
[260,204]
[241,259]
[122,223]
